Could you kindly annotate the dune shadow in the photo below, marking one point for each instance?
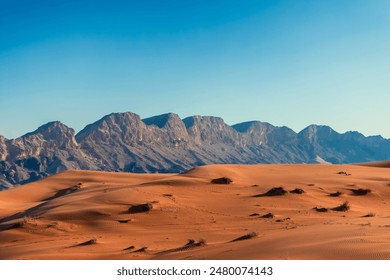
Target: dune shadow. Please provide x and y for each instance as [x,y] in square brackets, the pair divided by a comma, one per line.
[91,241]
[32,212]
[64,192]
[245,237]
[191,244]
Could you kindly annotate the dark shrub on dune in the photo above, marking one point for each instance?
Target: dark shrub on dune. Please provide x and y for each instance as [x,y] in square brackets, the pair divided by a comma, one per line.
[129,248]
[336,194]
[222,181]
[320,209]
[297,191]
[140,208]
[343,207]
[268,216]
[254,215]
[360,191]
[273,192]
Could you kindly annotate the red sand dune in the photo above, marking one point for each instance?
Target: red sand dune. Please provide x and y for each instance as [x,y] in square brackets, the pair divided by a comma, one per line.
[85,214]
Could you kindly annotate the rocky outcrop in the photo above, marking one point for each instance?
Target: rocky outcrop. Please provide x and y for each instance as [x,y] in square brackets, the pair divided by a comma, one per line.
[3,148]
[50,149]
[211,131]
[165,143]
[348,147]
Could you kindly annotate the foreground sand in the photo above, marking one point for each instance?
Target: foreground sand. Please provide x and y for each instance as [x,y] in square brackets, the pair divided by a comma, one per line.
[84,215]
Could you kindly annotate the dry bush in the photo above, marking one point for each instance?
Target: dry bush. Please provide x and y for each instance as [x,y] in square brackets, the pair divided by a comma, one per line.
[342,207]
[222,180]
[321,209]
[297,191]
[273,192]
[336,194]
[360,191]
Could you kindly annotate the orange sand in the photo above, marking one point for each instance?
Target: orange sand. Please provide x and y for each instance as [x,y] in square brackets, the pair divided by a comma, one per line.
[43,220]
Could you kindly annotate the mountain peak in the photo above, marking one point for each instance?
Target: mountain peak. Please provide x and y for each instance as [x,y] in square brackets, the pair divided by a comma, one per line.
[114,124]
[51,130]
[163,120]
[250,125]
[210,130]
[203,121]
[316,127]
[318,131]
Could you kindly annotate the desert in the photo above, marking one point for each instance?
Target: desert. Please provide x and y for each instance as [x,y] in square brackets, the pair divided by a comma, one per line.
[220,211]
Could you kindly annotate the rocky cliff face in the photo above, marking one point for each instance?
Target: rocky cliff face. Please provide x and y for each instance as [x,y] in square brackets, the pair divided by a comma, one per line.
[333,147]
[165,143]
[3,148]
[50,149]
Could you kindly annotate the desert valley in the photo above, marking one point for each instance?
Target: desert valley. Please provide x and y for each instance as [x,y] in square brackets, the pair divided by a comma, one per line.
[262,211]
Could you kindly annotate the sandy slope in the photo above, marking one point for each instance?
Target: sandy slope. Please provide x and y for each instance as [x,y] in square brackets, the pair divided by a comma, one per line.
[84,215]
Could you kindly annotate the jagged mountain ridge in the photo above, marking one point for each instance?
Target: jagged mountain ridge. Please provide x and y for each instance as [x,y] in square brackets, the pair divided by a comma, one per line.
[166,143]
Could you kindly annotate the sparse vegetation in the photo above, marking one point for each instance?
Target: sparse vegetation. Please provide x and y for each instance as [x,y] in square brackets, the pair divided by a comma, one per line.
[129,248]
[254,214]
[321,209]
[140,208]
[273,192]
[222,180]
[201,242]
[344,173]
[297,191]
[192,243]
[336,194]
[360,191]
[342,207]
[268,216]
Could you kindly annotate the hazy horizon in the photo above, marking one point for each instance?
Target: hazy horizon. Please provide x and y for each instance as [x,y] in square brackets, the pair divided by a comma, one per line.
[288,63]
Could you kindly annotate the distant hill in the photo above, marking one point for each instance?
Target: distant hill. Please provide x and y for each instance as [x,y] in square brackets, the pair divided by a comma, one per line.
[166,143]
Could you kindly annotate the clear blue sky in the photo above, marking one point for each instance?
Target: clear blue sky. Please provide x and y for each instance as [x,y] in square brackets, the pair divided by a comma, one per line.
[289,62]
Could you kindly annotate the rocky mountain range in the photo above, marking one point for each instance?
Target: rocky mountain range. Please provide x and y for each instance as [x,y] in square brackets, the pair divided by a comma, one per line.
[166,143]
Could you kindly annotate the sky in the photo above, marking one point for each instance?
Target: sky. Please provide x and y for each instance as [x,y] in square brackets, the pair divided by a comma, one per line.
[289,62]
